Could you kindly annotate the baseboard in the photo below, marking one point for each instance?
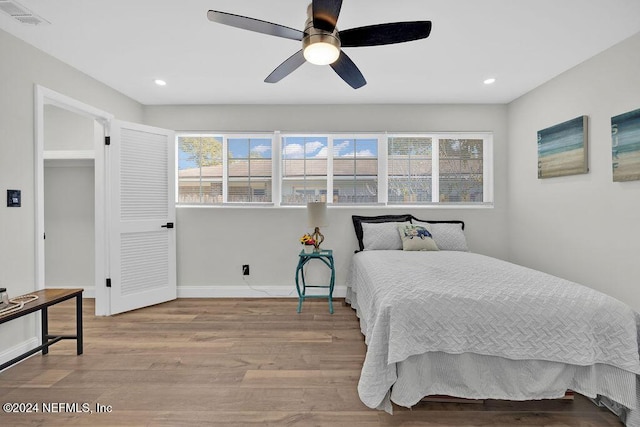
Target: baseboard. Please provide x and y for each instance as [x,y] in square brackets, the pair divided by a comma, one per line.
[246,291]
[234,291]
[19,349]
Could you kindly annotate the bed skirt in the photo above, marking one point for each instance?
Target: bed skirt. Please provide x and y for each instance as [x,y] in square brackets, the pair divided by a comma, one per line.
[474,376]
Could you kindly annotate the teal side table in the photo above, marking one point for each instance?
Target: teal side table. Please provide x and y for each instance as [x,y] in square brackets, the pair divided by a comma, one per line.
[324,255]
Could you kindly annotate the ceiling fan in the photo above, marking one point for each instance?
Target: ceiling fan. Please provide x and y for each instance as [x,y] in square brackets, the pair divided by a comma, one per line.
[322,42]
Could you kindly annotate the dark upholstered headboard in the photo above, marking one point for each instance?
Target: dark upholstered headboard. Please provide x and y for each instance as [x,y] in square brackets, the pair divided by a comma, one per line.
[358,220]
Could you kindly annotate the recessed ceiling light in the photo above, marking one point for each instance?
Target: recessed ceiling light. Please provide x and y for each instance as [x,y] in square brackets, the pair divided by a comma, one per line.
[490,81]
[160,82]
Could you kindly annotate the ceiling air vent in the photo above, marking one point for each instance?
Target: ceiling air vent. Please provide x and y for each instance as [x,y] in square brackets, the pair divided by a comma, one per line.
[21,13]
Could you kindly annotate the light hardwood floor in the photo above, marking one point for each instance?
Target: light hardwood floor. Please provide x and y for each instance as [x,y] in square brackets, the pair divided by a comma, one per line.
[232,362]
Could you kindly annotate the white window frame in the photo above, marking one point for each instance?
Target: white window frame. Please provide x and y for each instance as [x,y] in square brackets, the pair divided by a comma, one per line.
[331,138]
[281,137]
[434,166]
[379,137]
[487,165]
[226,136]
[225,162]
[382,138]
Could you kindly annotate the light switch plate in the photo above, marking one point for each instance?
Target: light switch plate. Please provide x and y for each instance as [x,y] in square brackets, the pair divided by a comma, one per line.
[14,198]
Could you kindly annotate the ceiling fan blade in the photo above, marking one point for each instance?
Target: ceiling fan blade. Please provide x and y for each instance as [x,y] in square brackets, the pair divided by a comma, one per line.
[286,68]
[393,32]
[346,69]
[325,14]
[256,25]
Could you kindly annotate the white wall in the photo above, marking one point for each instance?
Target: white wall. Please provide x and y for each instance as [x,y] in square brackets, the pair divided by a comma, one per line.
[69,194]
[69,224]
[64,130]
[213,243]
[585,228]
[22,66]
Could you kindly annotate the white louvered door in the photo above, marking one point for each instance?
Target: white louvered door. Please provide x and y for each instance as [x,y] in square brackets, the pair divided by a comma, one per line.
[142,240]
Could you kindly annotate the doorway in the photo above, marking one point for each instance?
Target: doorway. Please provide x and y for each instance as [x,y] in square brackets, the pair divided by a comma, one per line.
[113,180]
[69,140]
[69,201]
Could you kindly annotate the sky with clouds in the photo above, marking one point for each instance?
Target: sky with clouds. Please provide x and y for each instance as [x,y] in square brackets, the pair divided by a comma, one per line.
[317,147]
[294,148]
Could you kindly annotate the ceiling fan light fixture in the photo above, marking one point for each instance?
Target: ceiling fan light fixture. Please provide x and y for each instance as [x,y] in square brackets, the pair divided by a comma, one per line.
[322,41]
[321,53]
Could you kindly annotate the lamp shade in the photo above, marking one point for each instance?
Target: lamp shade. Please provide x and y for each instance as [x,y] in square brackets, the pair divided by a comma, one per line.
[317,214]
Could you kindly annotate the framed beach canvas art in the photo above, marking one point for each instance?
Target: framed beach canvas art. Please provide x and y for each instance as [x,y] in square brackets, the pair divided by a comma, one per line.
[562,149]
[625,146]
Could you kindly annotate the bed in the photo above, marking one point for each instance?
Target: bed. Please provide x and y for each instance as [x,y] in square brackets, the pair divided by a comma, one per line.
[445,321]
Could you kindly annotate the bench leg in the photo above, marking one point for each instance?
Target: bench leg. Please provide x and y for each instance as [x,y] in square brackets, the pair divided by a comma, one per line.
[79,343]
[44,319]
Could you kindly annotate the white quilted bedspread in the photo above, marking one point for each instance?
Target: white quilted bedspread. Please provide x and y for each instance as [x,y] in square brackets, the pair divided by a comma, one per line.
[410,303]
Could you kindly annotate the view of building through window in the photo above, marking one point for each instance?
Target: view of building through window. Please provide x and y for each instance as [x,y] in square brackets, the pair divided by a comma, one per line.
[409,170]
[249,170]
[355,170]
[341,169]
[199,169]
[304,169]
[461,170]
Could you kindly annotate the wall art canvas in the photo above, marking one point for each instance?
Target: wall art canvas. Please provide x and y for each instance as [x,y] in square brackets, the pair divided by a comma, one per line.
[562,149]
[625,146]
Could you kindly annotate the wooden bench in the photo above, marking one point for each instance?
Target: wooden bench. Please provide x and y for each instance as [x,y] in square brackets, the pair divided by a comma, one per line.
[47,298]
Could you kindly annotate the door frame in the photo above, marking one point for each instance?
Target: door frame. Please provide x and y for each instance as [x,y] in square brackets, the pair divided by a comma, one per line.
[44,96]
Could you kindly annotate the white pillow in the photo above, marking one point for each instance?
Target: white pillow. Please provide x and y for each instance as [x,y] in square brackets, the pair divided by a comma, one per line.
[381,236]
[448,236]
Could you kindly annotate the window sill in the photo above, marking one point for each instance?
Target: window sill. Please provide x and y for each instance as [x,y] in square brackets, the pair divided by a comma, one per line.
[377,206]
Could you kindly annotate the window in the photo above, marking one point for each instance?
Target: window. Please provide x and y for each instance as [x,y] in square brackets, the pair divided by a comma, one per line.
[461,170]
[216,169]
[304,169]
[249,170]
[355,170]
[458,174]
[409,169]
[313,166]
[200,169]
[341,169]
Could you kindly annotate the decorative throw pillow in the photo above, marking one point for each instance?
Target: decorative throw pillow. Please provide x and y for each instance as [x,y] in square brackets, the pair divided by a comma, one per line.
[416,238]
[448,236]
[381,236]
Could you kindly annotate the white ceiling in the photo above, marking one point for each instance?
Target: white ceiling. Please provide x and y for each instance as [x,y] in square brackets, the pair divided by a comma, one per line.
[126,44]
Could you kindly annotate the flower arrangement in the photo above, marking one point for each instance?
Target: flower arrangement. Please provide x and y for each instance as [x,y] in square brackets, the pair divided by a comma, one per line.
[306,239]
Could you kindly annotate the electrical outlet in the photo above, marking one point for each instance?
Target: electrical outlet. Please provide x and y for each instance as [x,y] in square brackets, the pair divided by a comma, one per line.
[245,270]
